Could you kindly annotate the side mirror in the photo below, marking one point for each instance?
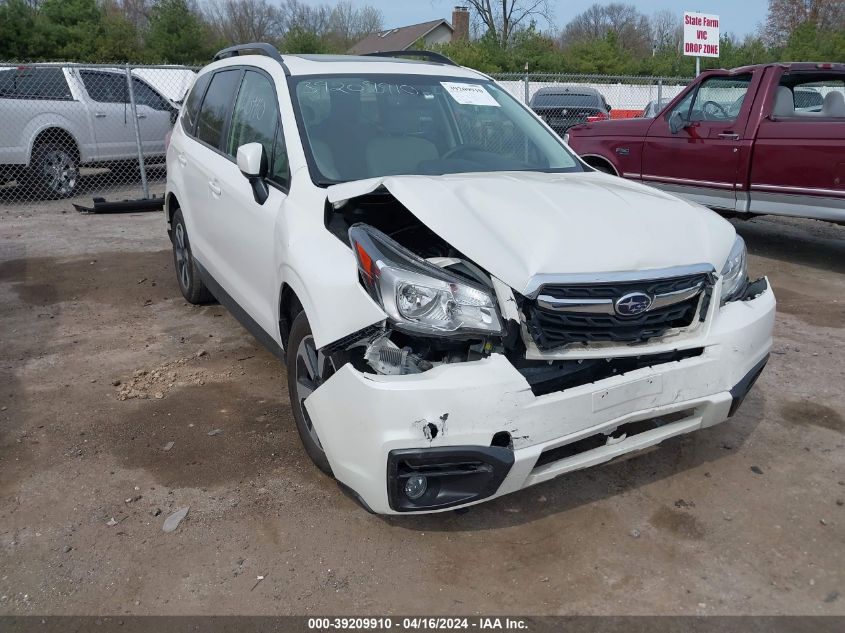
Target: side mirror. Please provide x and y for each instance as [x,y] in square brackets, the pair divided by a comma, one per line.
[677,122]
[252,161]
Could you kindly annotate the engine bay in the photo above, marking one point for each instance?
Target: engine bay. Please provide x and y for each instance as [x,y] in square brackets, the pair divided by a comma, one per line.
[387,350]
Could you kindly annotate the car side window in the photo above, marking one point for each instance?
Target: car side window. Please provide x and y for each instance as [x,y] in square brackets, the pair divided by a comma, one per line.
[280,166]
[34,83]
[105,87]
[683,106]
[256,114]
[191,109]
[814,95]
[720,98]
[146,95]
[216,106]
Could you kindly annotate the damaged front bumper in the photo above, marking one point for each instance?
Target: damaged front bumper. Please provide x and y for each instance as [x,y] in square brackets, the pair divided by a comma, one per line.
[476,430]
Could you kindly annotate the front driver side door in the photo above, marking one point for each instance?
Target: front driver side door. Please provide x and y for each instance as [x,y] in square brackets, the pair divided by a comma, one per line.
[242,232]
[701,161]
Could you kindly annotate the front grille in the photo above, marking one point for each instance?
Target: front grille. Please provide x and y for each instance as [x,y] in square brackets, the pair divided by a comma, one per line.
[550,377]
[551,328]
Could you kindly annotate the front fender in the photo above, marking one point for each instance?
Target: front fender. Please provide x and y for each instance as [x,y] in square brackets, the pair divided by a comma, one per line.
[325,281]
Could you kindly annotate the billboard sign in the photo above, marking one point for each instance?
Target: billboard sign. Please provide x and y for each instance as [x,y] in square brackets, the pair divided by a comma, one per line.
[701,34]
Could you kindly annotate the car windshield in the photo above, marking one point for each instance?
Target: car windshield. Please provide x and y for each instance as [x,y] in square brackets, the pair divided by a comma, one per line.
[563,100]
[366,126]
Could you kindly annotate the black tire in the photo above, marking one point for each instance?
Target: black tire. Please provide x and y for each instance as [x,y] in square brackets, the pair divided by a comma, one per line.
[603,168]
[304,377]
[187,271]
[54,170]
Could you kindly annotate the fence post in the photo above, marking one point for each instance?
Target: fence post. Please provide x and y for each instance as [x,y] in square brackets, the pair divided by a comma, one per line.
[527,91]
[134,108]
[659,93]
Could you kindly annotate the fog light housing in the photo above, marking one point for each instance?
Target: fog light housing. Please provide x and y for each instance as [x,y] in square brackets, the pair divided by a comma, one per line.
[415,486]
[443,477]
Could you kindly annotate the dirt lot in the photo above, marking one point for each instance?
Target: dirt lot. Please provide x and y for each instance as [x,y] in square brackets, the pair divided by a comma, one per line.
[103,366]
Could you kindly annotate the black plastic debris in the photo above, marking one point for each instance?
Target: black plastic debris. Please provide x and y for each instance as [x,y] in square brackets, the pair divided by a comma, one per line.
[101,205]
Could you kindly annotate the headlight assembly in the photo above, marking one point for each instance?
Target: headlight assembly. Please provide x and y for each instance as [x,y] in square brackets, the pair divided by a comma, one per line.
[734,273]
[418,296]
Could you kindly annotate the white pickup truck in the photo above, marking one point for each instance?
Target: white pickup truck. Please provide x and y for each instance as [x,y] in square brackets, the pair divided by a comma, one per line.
[56,118]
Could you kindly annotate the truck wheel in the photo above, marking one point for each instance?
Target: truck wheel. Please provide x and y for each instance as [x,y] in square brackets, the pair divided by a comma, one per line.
[602,167]
[307,368]
[55,169]
[187,272]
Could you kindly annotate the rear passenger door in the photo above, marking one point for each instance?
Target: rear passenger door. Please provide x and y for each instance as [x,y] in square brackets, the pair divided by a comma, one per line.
[242,232]
[201,162]
[114,132]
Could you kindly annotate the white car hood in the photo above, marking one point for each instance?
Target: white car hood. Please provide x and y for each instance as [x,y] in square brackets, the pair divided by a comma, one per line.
[517,225]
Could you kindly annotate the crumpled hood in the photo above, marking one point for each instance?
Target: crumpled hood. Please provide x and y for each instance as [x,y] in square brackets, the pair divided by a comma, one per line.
[517,225]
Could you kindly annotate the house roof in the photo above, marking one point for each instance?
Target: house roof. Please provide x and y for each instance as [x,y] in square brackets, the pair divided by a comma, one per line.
[399,39]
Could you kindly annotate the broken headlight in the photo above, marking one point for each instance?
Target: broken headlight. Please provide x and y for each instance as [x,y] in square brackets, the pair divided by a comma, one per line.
[734,273]
[418,296]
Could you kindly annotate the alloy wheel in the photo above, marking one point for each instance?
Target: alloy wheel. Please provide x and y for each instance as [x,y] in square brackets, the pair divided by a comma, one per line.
[60,172]
[180,248]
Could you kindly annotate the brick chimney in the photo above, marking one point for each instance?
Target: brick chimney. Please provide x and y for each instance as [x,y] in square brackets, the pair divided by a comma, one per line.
[460,23]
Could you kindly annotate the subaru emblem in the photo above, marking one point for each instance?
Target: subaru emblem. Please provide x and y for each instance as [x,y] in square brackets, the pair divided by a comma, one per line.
[632,304]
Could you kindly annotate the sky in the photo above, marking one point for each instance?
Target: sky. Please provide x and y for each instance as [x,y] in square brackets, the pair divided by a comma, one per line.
[739,17]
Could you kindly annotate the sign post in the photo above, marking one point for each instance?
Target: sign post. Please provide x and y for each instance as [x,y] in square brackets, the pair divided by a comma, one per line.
[701,36]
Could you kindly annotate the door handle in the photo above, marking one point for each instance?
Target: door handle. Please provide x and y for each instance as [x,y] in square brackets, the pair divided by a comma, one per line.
[217,191]
[731,136]
[100,115]
[142,116]
[182,160]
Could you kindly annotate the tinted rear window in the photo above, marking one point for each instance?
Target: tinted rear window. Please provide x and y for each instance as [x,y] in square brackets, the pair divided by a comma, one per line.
[565,101]
[34,83]
[217,105]
[192,103]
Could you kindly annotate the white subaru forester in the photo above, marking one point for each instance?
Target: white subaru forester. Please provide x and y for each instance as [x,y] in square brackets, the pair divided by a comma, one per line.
[464,307]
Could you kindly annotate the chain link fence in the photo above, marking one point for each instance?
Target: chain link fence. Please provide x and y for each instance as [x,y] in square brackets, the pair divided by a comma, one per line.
[86,131]
[83,131]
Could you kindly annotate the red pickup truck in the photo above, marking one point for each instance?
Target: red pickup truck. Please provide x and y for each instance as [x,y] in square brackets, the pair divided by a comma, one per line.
[758,139]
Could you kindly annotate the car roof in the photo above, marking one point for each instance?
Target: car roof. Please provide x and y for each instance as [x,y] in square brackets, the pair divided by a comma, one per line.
[820,66]
[304,65]
[568,90]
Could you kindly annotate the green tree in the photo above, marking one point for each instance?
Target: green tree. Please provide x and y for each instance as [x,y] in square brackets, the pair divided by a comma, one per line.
[485,54]
[537,51]
[17,23]
[304,41]
[812,44]
[120,41]
[67,30]
[178,34]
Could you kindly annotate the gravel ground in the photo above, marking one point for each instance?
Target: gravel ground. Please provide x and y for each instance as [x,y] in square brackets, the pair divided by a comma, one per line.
[110,384]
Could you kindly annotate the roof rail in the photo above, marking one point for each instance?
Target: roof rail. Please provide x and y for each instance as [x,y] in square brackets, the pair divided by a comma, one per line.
[427,55]
[260,48]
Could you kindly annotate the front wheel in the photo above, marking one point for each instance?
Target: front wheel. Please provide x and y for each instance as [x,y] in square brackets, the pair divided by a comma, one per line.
[307,368]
